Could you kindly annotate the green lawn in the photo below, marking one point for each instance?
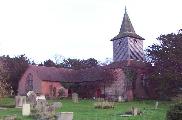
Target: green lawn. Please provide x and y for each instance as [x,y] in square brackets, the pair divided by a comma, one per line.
[84,110]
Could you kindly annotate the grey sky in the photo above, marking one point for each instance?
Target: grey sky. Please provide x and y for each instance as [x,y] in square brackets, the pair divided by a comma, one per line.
[80,28]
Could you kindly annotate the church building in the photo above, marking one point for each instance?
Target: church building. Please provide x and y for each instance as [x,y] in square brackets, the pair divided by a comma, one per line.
[111,81]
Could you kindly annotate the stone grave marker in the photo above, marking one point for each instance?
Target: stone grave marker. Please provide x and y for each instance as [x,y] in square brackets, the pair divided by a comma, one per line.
[75,97]
[41,105]
[156,105]
[19,101]
[120,99]
[64,116]
[57,105]
[135,111]
[26,110]
[31,96]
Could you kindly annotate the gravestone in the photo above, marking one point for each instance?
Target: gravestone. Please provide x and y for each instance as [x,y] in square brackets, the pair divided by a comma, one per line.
[64,116]
[41,105]
[31,97]
[26,110]
[19,101]
[120,99]
[156,105]
[75,97]
[57,105]
[135,111]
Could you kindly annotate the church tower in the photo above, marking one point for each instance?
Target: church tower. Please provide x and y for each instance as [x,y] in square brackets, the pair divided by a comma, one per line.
[127,45]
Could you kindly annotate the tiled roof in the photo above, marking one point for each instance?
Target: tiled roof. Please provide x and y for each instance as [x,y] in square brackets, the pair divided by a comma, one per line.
[70,75]
[99,73]
[52,73]
[91,74]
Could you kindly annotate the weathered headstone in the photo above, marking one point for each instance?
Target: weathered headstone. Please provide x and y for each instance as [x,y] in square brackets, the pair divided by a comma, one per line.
[135,111]
[41,105]
[31,96]
[120,99]
[156,105]
[19,101]
[26,110]
[57,105]
[75,97]
[64,116]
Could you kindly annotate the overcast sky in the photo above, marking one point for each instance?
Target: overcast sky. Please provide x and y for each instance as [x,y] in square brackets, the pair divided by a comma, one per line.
[80,29]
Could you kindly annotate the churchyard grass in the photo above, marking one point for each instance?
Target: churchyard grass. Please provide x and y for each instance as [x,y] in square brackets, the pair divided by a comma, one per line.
[7,102]
[84,110]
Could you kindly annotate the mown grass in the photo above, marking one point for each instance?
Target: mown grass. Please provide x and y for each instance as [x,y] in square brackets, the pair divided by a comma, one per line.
[84,110]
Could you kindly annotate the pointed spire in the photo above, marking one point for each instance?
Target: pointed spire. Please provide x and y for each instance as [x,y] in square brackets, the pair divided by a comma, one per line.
[125,10]
[127,29]
[126,26]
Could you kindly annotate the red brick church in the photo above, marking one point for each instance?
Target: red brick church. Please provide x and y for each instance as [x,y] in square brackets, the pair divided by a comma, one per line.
[109,81]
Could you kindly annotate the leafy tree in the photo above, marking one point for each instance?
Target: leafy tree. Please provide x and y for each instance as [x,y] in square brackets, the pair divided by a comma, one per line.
[71,63]
[167,60]
[49,63]
[15,68]
[78,64]
[91,62]
[4,86]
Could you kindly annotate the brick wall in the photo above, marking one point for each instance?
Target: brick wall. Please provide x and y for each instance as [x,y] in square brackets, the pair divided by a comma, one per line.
[22,82]
[48,86]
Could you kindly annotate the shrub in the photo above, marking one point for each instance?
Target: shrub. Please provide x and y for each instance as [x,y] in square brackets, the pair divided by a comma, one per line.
[175,112]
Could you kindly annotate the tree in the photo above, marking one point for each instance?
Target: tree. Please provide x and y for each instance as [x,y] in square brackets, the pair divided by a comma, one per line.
[78,64]
[167,60]
[91,62]
[4,86]
[15,67]
[49,63]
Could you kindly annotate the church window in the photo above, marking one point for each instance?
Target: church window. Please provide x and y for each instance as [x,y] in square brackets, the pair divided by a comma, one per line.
[29,82]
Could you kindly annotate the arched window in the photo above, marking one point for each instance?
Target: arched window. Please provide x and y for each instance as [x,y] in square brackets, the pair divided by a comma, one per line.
[29,82]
